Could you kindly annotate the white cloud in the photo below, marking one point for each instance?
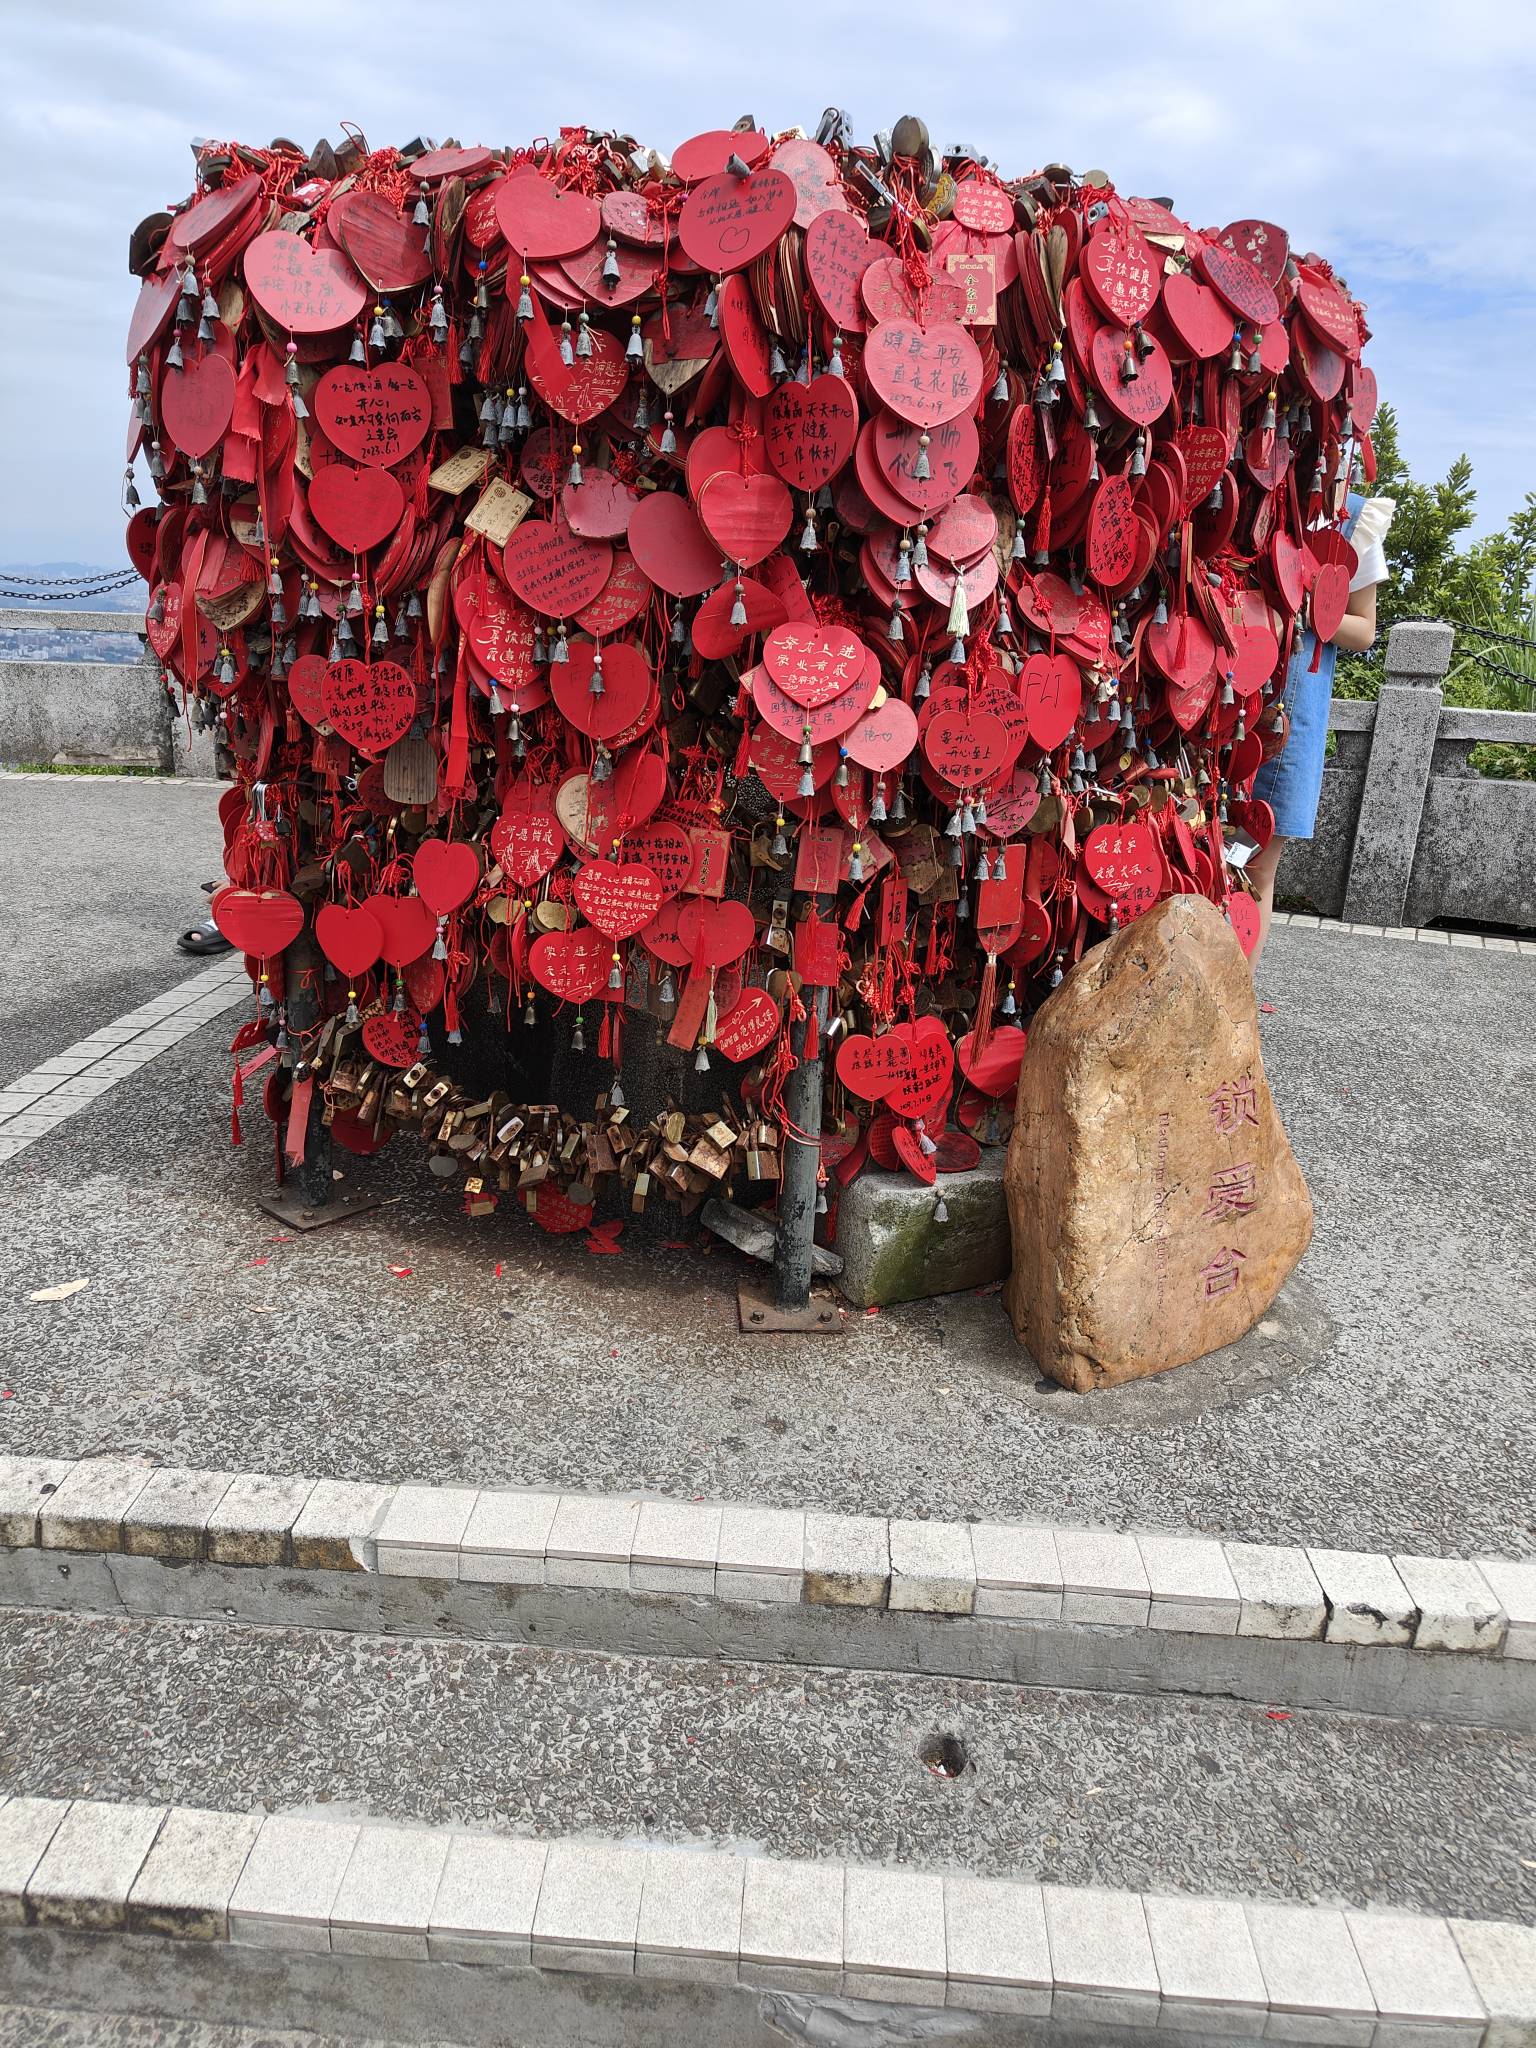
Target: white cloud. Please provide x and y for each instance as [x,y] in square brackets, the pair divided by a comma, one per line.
[1396,141]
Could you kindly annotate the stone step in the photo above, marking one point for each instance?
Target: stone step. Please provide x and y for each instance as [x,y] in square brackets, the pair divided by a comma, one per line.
[416,1930]
[1070,1787]
[1101,1610]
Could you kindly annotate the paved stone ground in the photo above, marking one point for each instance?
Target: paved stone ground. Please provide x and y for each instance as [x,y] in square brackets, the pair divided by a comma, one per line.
[1393,1408]
[97,875]
[1074,1788]
[28,2026]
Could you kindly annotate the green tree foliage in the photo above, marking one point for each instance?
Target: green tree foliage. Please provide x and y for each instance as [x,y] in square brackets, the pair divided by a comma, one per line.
[1488,583]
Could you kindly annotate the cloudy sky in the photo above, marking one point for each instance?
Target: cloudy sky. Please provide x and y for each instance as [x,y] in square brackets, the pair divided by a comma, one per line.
[1398,141]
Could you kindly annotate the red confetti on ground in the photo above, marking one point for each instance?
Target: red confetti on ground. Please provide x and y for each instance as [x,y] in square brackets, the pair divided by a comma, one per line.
[402,1272]
[1268,1009]
[258,1262]
[1276,1714]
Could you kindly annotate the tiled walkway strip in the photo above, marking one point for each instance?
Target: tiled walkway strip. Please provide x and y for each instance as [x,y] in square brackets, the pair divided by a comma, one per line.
[1192,1585]
[329,1886]
[1424,934]
[36,1103]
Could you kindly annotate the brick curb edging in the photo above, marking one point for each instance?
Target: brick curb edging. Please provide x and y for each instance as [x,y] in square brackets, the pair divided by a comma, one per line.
[1429,1638]
[384,1892]
[1423,934]
[46,1096]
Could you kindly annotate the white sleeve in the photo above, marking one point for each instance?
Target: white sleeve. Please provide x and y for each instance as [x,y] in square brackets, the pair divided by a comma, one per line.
[1369,535]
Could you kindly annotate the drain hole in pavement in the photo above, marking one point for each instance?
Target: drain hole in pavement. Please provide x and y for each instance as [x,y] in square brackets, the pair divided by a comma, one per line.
[945,1755]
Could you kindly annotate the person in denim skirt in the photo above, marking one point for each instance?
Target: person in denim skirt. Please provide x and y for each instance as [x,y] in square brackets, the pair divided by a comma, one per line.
[1292,781]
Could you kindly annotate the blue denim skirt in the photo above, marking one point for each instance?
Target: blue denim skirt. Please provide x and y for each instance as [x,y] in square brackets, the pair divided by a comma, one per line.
[1292,783]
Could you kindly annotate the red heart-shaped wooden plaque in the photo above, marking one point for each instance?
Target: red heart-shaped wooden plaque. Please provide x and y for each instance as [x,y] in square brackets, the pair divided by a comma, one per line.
[995,1069]
[621,600]
[377,416]
[1331,312]
[1120,271]
[626,688]
[302,290]
[948,451]
[387,248]
[554,571]
[407,924]
[908,1148]
[924,1085]
[260,922]
[822,721]
[572,965]
[667,851]
[715,637]
[727,221]
[1182,647]
[715,934]
[811,430]
[586,386]
[1265,246]
[1243,916]
[891,292]
[926,374]
[706,155]
[1244,288]
[838,251]
[526,841]
[1113,541]
[1286,560]
[813,173]
[747,1026]
[598,508]
[871,1067]
[884,737]
[357,507]
[983,205]
[618,900]
[197,403]
[349,936]
[447,872]
[1121,858]
[745,516]
[372,704]
[967,748]
[1026,470]
[1146,397]
[1330,599]
[540,221]
[1201,323]
[1051,686]
[306,688]
[671,546]
[1205,451]
[393,1037]
[746,341]
[813,665]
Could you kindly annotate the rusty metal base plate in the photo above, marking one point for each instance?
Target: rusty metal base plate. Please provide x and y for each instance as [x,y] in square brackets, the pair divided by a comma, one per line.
[760,1315]
[291,1206]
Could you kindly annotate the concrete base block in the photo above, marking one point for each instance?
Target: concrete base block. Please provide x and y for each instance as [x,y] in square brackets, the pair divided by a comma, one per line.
[893,1250]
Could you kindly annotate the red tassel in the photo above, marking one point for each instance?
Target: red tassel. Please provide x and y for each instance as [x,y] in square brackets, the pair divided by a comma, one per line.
[982,1029]
[812,1035]
[237,1099]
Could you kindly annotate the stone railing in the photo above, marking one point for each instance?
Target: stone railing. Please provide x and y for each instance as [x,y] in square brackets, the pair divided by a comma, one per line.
[1408,831]
[92,714]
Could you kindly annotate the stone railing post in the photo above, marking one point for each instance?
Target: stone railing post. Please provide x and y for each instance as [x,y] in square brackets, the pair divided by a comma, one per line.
[1397,774]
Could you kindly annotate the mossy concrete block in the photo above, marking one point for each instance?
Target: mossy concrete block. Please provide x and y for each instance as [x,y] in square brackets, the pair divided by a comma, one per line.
[892,1248]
